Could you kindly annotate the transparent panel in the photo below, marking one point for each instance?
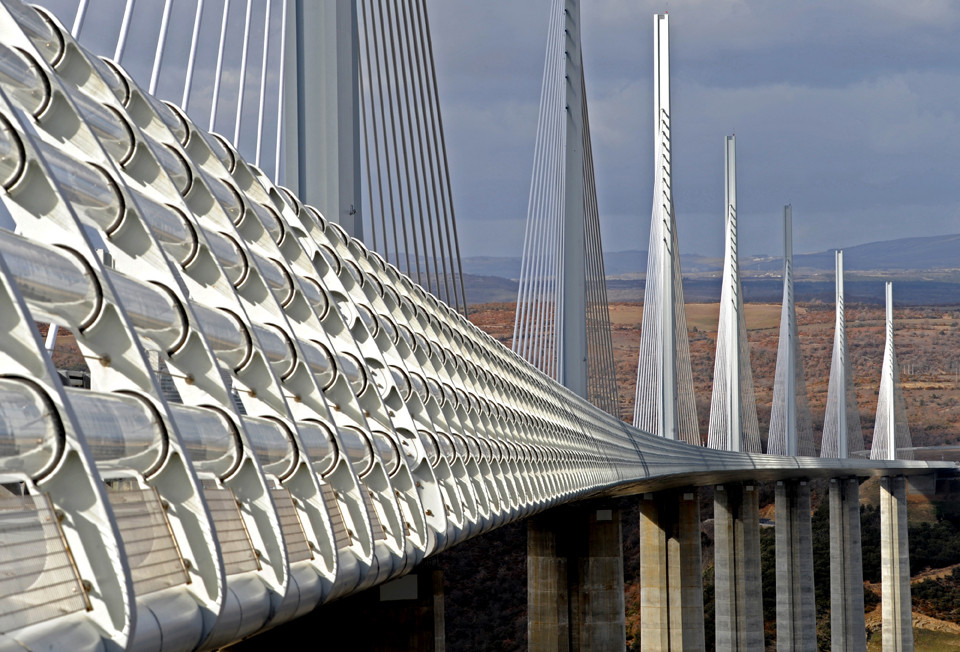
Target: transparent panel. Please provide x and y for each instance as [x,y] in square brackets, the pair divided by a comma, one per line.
[22,80]
[407,336]
[354,271]
[11,155]
[388,327]
[220,150]
[460,444]
[390,297]
[226,196]
[151,551]
[379,377]
[419,386]
[209,437]
[317,440]
[112,79]
[485,449]
[402,381]
[30,436]
[108,125]
[368,319]
[151,310]
[430,447]
[316,297]
[169,226]
[38,29]
[375,284]
[174,165]
[171,119]
[320,361]
[273,444]
[473,447]
[269,219]
[276,278]
[276,348]
[121,430]
[433,389]
[331,257]
[387,450]
[346,308]
[55,284]
[448,394]
[229,254]
[357,447]
[353,371]
[226,335]
[445,443]
[90,191]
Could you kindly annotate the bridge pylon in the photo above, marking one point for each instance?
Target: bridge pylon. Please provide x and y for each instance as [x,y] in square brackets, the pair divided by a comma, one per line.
[733,407]
[791,432]
[891,433]
[842,435]
[562,323]
[665,403]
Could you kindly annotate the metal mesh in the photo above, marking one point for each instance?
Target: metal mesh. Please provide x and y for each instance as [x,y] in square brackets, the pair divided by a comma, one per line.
[341,534]
[38,579]
[152,552]
[236,548]
[376,525]
[298,548]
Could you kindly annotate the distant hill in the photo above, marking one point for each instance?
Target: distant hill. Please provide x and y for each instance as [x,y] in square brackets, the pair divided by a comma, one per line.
[938,252]
[927,271]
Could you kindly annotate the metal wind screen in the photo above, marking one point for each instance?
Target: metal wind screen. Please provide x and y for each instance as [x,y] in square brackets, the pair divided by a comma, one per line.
[223,62]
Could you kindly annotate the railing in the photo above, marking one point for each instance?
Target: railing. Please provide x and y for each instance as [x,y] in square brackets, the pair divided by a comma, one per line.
[329,425]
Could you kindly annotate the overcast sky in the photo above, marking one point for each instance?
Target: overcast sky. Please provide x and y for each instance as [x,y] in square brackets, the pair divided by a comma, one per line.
[849,111]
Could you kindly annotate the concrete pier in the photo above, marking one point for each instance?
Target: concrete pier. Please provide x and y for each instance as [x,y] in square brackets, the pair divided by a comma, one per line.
[671,586]
[575,597]
[895,566]
[548,627]
[796,602]
[847,622]
[738,588]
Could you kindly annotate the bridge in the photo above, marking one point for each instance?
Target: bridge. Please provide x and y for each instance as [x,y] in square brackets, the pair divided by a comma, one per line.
[279,417]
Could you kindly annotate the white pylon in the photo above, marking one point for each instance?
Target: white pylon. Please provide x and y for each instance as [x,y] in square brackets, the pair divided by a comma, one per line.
[842,435]
[665,404]
[891,434]
[733,408]
[791,432]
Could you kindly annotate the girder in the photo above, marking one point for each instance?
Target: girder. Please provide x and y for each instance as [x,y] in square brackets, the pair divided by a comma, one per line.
[332,423]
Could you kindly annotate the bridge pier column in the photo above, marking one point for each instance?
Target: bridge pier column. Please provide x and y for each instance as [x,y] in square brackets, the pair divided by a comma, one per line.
[847,622]
[575,597]
[895,565]
[796,603]
[738,588]
[671,585]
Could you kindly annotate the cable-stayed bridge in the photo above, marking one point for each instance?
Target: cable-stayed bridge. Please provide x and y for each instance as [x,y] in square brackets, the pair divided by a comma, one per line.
[279,417]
